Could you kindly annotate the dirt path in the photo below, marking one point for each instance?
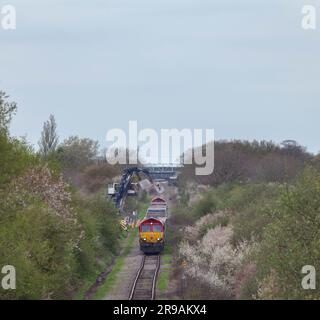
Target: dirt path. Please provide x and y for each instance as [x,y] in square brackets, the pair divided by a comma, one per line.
[125,277]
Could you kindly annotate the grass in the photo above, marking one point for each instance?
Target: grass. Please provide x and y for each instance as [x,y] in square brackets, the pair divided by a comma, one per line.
[166,261]
[87,283]
[143,209]
[163,280]
[111,279]
[164,275]
[89,279]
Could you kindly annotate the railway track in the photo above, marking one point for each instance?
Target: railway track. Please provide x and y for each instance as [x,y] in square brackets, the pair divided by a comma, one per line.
[144,285]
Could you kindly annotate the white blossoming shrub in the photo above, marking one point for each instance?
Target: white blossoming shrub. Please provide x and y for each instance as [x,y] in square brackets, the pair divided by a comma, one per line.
[268,287]
[40,182]
[195,231]
[213,260]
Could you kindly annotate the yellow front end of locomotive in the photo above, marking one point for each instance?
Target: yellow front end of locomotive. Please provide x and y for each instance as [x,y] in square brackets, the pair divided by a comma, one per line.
[151,237]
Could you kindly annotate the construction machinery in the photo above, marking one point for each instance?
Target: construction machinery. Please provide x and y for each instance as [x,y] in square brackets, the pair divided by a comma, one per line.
[118,192]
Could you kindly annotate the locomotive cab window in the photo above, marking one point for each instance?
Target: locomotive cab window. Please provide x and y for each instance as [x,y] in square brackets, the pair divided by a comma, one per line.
[157,228]
[146,228]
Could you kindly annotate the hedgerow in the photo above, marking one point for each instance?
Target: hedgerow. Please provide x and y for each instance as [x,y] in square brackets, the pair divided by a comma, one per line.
[54,236]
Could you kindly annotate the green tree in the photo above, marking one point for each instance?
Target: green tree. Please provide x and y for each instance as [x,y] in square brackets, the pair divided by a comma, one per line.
[292,240]
[49,137]
[76,153]
[7,110]
[15,155]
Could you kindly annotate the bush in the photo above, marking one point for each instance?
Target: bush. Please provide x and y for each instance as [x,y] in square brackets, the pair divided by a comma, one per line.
[99,219]
[76,153]
[39,234]
[214,262]
[292,240]
[54,241]
[254,210]
[196,231]
[40,245]
[16,157]
[206,205]
[282,220]
[243,209]
[96,176]
[249,207]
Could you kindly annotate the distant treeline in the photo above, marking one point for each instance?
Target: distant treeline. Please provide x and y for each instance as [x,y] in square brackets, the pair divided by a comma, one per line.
[255,161]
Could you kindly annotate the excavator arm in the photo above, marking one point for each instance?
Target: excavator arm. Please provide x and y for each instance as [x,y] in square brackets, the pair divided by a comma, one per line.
[124,186]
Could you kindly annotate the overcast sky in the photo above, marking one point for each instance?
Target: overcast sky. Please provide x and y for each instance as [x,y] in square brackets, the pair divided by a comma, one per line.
[243,67]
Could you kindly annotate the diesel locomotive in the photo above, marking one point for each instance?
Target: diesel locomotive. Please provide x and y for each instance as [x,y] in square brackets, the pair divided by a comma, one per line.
[152,228]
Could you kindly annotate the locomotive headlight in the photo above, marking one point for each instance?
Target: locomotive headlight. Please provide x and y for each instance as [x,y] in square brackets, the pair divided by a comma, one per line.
[144,239]
[159,239]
